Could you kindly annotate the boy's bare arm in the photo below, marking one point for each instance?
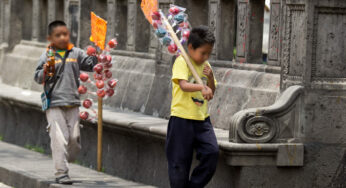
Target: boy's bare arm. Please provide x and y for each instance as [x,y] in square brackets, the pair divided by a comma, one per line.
[209,73]
[189,87]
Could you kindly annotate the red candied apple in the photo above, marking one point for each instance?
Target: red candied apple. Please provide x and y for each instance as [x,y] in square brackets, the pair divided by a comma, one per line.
[99,84]
[112,83]
[186,34]
[101,93]
[172,48]
[108,65]
[98,68]
[84,77]
[110,92]
[91,51]
[98,76]
[82,89]
[155,15]
[174,10]
[101,58]
[84,115]
[87,103]
[108,59]
[156,23]
[108,74]
[113,43]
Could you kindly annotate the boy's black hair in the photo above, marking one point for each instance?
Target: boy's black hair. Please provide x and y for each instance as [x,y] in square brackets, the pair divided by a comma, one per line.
[201,35]
[55,24]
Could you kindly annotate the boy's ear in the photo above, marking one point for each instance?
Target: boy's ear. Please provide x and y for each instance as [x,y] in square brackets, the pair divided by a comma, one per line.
[49,38]
[189,47]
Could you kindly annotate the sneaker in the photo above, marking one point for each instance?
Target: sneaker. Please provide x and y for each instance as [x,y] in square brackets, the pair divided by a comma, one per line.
[65,179]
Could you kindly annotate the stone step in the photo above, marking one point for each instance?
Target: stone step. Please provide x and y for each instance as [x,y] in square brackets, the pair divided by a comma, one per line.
[22,168]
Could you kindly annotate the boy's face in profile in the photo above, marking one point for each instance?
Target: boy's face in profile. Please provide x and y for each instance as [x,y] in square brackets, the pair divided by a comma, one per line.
[200,54]
[60,37]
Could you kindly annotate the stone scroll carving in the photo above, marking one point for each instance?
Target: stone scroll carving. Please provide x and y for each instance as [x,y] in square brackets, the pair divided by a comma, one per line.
[278,123]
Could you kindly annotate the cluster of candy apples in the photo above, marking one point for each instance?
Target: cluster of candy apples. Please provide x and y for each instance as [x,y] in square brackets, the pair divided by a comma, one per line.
[102,76]
[178,20]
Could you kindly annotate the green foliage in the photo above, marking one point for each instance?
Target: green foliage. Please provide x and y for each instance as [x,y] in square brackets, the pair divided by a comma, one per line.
[34,148]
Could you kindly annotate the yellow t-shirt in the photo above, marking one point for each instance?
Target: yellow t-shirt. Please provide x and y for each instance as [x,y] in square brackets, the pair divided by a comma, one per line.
[188,105]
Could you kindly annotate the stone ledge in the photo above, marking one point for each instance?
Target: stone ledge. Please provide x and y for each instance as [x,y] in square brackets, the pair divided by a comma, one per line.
[23,168]
[236,154]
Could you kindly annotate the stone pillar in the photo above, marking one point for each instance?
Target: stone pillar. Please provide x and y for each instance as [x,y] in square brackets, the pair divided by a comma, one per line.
[131,24]
[274,33]
[225,30]
[138,28]
[6,20]
[250,31]
[213,22]
[51,11]
[1,21]
[111,18]
[72,18]
[36,10]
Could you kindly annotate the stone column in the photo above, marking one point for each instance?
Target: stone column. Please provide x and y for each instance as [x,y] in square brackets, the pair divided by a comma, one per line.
[131,21]
[111,18]
[51,11]
[213,22]
[250,31]
[274,33]
[36,10]
[225,30]
[1,21]
[72,19]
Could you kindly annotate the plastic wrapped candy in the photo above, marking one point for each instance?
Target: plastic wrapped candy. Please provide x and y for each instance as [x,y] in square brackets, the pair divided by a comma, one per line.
[98,68]
[174,10]
[172,48]
[184,25]
[113,43]
[157,23]
[87,103]
[180,18]
[108,74]
[98,76]
[110,92]
[102,58]
[156,15]
[166,41]
[99,84]
[101,92]
[160,32]
[186,33]
[91,51]
[82,89]
[112,83]
[84,77]
[84,115]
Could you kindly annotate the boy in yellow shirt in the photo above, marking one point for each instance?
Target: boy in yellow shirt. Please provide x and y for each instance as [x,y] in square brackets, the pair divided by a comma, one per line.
[189,127]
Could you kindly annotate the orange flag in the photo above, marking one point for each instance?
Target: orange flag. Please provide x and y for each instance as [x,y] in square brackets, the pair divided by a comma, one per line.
[149,6]
[98,30]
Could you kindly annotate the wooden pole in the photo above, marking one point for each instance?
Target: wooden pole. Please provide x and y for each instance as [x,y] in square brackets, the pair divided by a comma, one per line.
[182,50]
[99,135]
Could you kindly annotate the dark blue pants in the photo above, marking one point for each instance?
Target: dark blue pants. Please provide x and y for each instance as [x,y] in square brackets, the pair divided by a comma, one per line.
[183,137]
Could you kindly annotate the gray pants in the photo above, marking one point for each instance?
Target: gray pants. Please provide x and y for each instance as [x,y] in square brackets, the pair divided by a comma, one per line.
[64,135]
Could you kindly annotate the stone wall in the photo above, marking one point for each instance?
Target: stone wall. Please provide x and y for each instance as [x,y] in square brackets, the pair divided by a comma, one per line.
[142,67]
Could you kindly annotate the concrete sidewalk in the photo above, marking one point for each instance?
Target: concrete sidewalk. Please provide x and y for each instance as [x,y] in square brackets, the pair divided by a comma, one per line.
[22,168]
